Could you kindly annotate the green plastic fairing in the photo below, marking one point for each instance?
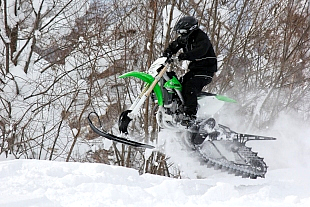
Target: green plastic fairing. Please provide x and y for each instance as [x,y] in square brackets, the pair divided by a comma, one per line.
[225,98]
[149,80]
[173,84]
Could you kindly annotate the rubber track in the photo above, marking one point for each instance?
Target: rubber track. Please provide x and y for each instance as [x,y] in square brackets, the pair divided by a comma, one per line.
[254,167]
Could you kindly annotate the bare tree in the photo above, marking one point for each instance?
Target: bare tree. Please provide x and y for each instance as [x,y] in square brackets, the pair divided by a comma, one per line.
[28,90]
[60,60]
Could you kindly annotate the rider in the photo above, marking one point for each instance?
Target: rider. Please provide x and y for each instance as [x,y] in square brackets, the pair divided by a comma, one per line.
[198,49]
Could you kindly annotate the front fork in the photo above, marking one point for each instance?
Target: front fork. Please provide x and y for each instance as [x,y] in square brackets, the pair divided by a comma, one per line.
[129,114]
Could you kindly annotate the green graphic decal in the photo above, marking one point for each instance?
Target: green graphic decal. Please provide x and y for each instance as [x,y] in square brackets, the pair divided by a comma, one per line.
[173,84]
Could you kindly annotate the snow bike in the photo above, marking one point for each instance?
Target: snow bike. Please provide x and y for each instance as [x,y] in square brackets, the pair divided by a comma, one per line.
[216,144]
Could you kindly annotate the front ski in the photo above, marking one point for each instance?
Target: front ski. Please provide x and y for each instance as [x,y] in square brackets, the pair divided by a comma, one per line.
[114,137]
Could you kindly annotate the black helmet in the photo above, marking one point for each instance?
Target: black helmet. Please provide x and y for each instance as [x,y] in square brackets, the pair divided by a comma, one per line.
[186,24]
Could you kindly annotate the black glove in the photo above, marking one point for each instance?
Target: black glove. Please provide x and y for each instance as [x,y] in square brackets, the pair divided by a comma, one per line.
[182,56]
[167,53]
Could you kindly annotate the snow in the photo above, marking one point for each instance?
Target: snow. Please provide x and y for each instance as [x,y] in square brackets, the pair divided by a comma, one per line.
[50,183]
[31,183]
[37,183]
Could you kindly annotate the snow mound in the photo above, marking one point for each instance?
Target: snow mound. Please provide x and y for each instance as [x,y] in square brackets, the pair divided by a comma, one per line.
[26,183]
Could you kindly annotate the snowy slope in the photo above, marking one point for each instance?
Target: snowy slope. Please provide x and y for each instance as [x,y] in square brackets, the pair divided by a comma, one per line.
[35,183]
[26,183]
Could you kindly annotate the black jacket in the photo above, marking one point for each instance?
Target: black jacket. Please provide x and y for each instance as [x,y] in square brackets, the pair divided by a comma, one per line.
[197,49]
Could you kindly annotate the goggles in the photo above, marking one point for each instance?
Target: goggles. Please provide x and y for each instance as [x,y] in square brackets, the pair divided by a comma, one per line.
[182,31]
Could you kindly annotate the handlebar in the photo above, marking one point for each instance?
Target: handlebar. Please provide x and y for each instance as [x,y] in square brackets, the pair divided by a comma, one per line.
[171,59]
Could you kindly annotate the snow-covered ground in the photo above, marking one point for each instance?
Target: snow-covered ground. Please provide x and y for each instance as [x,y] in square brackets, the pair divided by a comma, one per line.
[35,183]
[32,183]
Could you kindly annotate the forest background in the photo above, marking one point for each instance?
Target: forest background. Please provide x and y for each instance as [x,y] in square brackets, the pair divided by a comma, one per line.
[60,60]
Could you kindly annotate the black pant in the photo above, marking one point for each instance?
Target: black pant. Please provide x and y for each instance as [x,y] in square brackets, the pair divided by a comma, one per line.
[192,85]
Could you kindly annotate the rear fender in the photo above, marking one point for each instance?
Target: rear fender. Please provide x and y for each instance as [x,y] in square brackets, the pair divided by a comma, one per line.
[210,104]
[225,98]
[147,79]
